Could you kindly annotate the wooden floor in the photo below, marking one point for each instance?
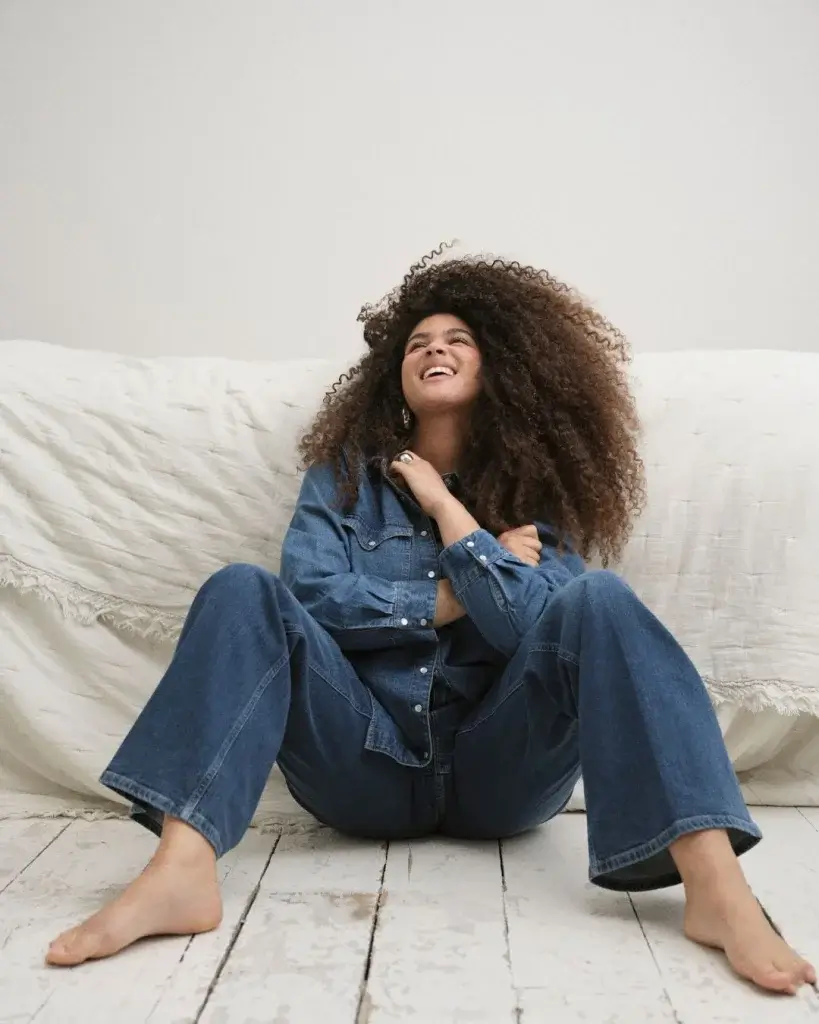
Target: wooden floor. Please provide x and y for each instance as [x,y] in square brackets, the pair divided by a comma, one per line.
[324,930]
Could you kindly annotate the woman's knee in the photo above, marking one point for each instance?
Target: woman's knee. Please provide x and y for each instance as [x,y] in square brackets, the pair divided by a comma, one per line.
[240,581]
[602,587]
[250,590]
[604,581]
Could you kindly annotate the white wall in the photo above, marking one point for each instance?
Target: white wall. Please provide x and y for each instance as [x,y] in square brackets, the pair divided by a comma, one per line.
[237,176]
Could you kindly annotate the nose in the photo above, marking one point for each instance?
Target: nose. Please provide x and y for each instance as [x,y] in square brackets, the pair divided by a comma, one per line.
[435,348]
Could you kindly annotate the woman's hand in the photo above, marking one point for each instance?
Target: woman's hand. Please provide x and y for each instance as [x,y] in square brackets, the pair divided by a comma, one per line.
[523,542]
[424,480]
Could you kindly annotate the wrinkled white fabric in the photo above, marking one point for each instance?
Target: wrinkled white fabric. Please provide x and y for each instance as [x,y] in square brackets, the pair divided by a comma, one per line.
[125,482]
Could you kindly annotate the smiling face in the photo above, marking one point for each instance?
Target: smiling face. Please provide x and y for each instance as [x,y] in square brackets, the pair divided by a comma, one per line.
[441,371]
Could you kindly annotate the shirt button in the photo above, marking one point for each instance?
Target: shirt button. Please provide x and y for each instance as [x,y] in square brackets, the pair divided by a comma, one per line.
[431,575]
[483,558]
[404,622]
[418,708]
[423,670]
[423,533]
[470,543]
[423,622]
[372,543]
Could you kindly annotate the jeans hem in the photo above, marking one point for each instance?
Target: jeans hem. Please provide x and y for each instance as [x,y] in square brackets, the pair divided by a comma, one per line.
[600,867]
[145,797]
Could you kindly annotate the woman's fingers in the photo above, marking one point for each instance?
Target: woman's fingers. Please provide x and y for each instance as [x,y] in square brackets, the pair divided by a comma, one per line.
[524,548]
[422,478]
[529,544]
[531,550]
[402,461]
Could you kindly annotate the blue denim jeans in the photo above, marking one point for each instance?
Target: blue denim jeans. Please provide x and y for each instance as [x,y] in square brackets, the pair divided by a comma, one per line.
[598,685]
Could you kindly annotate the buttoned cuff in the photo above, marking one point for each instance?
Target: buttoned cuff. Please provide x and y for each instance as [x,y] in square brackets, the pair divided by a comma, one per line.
[415,603]
[467,559]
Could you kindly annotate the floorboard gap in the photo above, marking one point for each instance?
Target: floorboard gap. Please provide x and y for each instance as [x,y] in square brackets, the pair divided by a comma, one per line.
[37,856]
[236,932]
[518,1009]
[674,1013]
[362,1009]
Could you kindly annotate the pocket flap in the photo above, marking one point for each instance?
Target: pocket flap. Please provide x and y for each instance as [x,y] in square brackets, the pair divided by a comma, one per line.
[371,536]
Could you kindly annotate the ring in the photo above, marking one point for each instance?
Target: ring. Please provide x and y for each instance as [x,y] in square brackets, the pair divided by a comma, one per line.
[405,457]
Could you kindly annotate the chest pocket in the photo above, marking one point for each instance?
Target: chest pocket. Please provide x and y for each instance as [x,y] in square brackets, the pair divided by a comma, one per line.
[383,549]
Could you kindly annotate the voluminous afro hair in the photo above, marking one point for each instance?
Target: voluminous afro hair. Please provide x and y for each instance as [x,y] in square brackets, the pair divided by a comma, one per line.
[554,431]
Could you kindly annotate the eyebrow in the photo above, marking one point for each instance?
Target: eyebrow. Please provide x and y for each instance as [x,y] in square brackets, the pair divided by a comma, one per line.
[425,335]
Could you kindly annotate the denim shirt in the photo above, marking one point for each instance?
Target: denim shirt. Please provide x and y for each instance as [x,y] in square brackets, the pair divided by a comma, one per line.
[369,576]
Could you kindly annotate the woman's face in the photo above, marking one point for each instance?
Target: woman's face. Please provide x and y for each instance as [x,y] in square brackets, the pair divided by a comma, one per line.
[441,371]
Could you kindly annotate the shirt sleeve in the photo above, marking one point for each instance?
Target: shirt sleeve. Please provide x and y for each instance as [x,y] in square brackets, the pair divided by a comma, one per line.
[361,612]
[503,595]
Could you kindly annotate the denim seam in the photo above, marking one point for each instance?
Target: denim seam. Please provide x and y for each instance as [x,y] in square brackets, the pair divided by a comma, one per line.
[499,597]
[378,748]
[552,648]
[703,822]
[161,803]
[561,652]
[616,622]
[465,579]
[341,693]
[313,668]
[213,769]
[494,711]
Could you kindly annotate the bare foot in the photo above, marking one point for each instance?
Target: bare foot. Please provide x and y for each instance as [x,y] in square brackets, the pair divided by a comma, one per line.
[734,922]
[170,897]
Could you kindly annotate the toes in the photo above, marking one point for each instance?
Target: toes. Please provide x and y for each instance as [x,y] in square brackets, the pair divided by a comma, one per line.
[59,953]
[800,973]
[775,980]
[788,979]
[71,949]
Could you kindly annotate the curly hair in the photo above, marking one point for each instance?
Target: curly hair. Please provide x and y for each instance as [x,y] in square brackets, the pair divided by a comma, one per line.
[554,431]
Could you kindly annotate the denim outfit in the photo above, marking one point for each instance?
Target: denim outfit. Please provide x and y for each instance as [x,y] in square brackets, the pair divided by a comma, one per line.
[386,727]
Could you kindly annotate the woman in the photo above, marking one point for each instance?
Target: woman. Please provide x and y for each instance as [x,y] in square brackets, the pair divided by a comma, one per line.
[434,656]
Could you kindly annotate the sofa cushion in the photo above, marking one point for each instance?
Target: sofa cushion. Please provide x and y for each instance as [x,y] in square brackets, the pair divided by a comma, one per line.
[125,482]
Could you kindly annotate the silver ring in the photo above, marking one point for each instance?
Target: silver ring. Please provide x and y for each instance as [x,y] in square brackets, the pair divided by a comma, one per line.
[405,457]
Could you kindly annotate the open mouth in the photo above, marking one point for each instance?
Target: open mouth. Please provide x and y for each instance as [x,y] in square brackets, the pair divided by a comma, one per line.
[437,373]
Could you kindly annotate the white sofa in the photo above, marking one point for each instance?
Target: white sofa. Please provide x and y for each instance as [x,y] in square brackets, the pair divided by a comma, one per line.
[125,482]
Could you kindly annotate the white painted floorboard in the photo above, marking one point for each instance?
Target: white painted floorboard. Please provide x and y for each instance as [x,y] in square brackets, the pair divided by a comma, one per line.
[87,864]
[21,842]
[320,929]
[782,871]
[589,940]
[302,952]
[440,952]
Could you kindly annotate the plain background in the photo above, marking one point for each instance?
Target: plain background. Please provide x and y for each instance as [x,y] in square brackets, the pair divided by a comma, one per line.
[236,177]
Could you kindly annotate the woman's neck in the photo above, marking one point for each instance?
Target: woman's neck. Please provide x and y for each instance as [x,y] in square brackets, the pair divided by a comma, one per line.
[440,441]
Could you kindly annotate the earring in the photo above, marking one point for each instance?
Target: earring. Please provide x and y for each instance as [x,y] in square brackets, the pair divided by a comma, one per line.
[406,416]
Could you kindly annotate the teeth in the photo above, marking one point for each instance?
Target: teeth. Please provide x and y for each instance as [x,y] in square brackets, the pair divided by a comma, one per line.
[438,370]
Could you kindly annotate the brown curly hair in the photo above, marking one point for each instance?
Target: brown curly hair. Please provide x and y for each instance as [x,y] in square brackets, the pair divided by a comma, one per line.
[554,431]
